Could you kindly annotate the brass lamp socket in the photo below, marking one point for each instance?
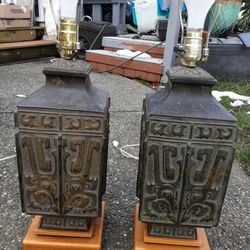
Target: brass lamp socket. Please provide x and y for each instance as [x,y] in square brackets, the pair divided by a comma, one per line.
[68,46]
[192,52]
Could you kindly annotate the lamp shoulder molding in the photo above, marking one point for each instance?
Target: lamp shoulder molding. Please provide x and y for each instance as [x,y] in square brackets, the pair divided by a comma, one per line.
[188,96]
[75,68]
[190,75]
[68,88]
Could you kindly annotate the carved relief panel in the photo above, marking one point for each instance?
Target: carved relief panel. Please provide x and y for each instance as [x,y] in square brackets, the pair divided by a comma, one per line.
[34,121]
[162,187]
[183,172]
[62,173]
[39,174]
[206,178]
[81,175]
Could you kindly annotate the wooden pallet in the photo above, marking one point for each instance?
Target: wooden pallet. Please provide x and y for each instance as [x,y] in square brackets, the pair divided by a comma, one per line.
[11,52]
[13,35]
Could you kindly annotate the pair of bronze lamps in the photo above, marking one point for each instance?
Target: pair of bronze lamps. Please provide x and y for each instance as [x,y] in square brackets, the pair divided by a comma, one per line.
[186,153]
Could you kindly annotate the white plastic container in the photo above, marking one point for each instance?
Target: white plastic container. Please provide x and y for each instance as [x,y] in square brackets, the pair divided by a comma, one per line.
[146,14]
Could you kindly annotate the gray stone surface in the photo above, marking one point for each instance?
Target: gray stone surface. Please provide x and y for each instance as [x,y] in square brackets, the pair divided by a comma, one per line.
[234,227]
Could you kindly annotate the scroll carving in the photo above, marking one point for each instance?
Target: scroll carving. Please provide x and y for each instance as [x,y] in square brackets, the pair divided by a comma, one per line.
[169,129]
[81,185]
[215,132]
[81,123]
[38,121]
[185,185]
[163,188]
[178,130]
[92,124]
[39,173]
[73,123]
[29,121]
[48,122]
[207,171]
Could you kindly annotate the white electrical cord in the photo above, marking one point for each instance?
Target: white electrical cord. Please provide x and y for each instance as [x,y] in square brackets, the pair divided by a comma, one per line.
[123,152]
[8,157]
[115,144]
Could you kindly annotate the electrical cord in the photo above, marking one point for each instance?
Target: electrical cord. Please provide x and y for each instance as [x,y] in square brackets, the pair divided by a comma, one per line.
[125,153]
[104,26]
[115,145]
[8,157]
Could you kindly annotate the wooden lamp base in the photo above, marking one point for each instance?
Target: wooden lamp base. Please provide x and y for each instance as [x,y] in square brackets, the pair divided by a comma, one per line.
[42,239]
[142,241]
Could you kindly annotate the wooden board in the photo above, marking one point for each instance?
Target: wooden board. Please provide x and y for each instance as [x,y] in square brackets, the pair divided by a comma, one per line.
[32,241]
[144,242]
[25,28]
[29,44]
[20,34]
[117,43]
[12,52]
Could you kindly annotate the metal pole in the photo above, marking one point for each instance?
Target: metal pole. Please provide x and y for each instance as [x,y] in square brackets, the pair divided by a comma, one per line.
[171,37]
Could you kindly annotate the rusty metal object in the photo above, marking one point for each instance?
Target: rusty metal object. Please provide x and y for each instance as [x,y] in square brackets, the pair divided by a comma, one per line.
[62,144]
[186,155]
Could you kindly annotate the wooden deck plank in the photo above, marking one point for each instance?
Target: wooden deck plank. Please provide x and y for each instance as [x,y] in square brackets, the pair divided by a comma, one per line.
[20,35]
[23,28]
[28,44]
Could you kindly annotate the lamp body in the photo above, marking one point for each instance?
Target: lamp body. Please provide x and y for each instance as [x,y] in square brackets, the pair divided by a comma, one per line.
[62,144]
[186,155]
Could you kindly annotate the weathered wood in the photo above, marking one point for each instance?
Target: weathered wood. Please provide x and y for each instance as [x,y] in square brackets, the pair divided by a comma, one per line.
[26,51]
[29,44]
[25,28]
[20,34]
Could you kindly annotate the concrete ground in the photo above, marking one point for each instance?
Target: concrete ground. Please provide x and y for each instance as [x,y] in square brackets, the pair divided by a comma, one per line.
[126,95]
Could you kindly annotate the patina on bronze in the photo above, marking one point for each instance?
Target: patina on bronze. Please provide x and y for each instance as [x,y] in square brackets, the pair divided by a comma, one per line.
[62,145]
[186,155]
